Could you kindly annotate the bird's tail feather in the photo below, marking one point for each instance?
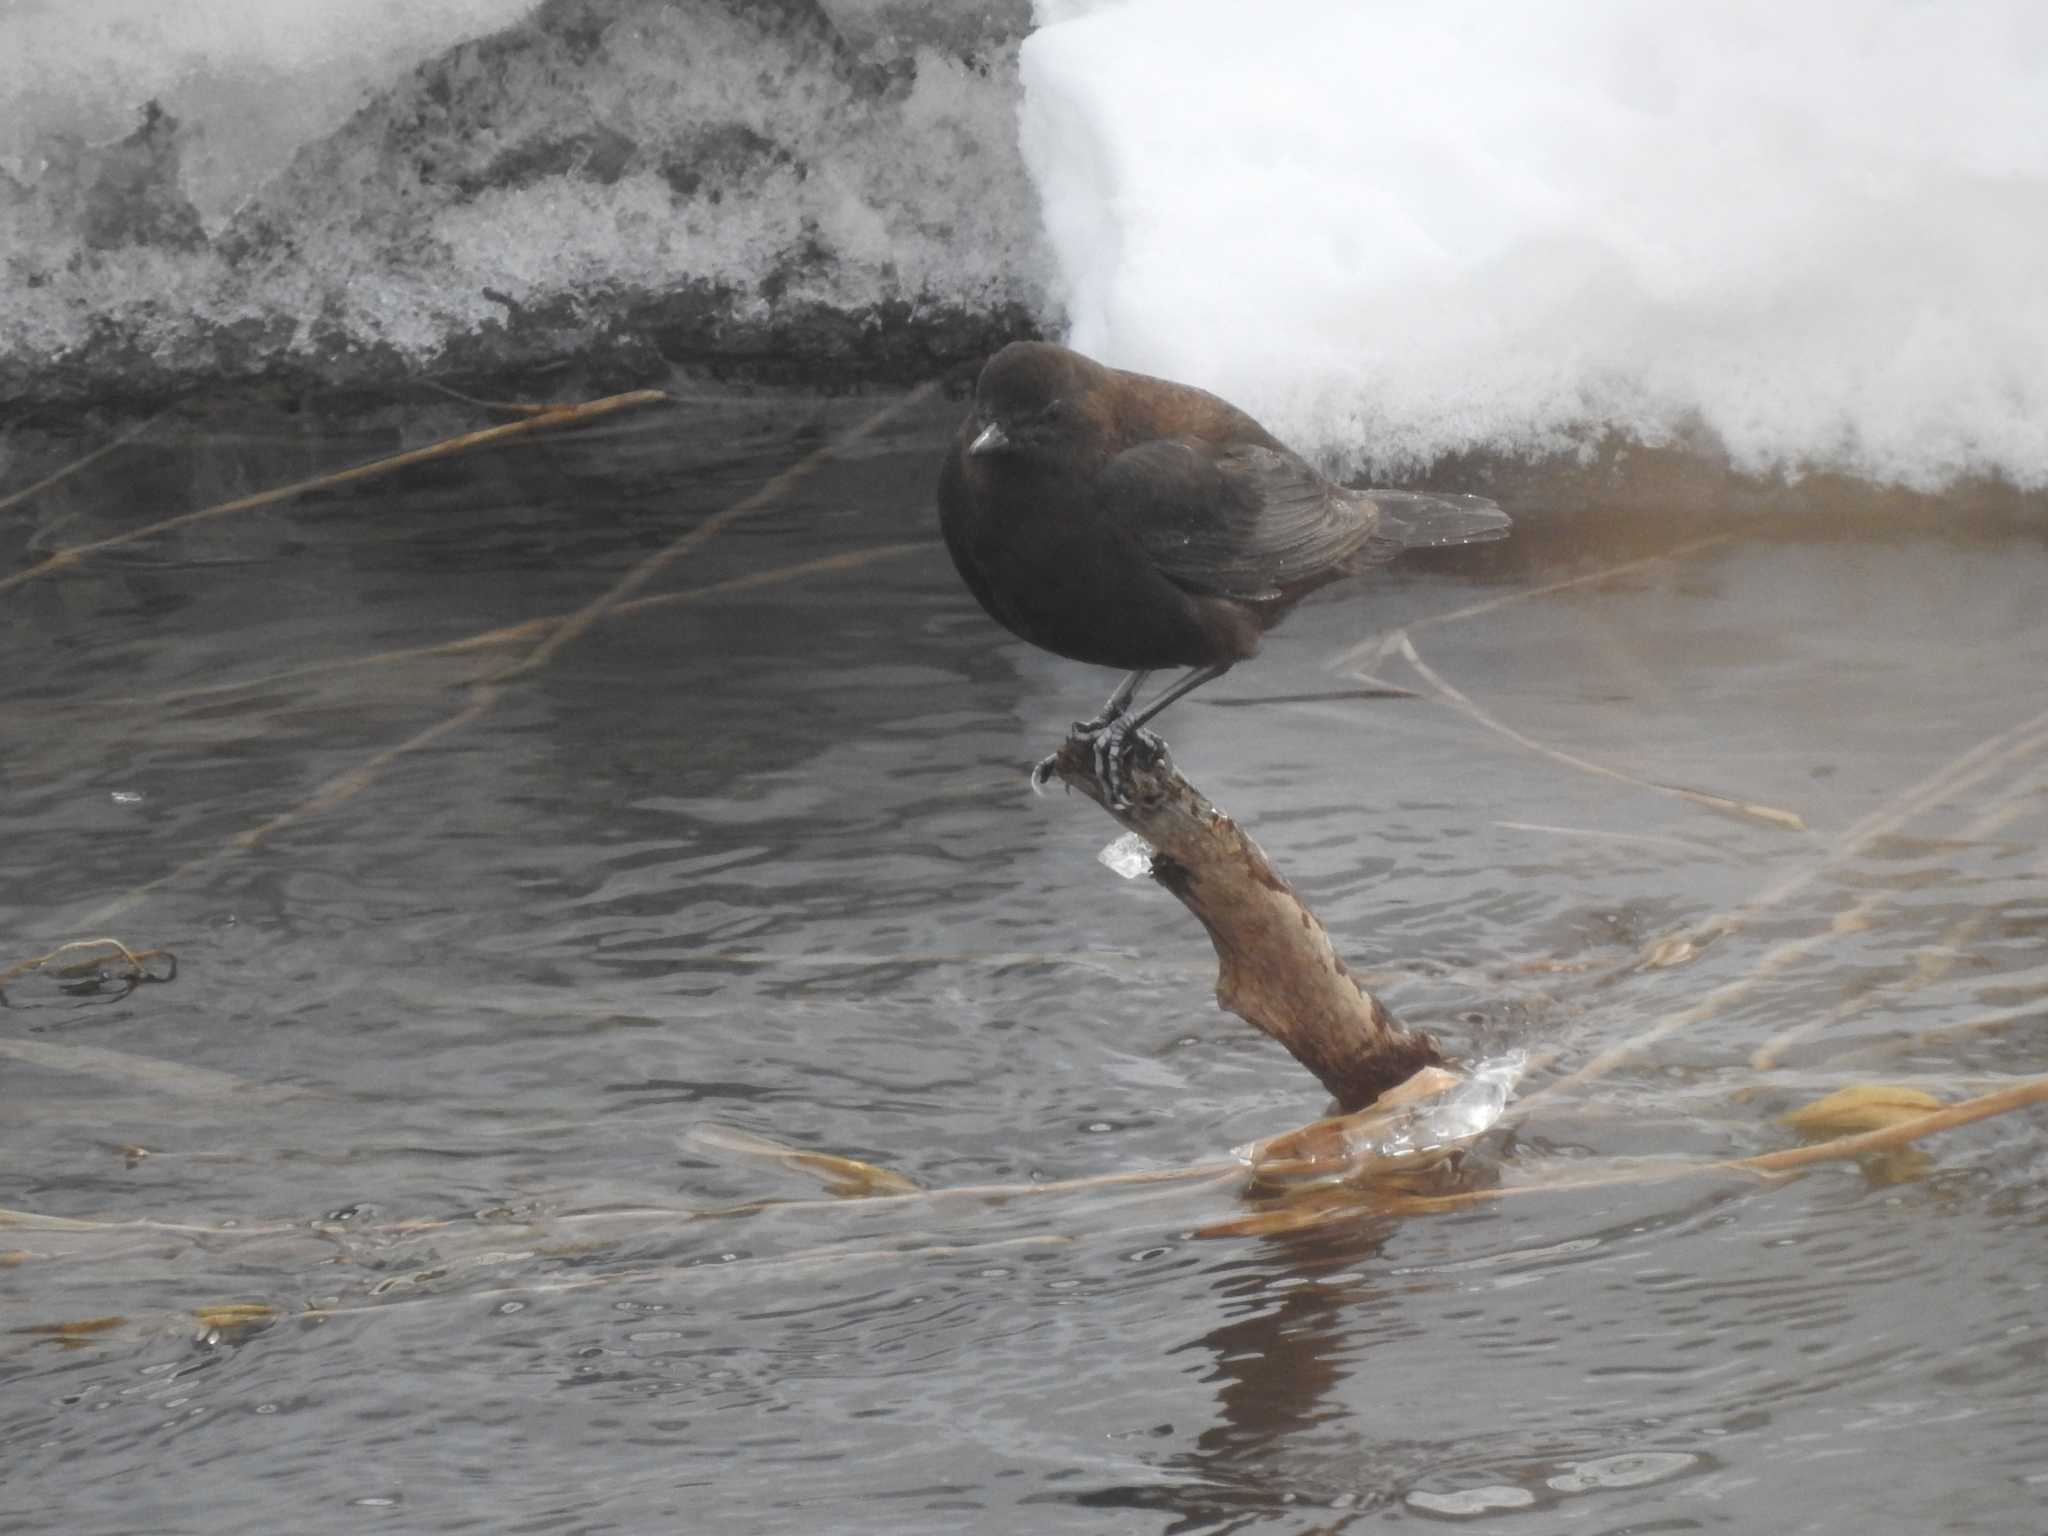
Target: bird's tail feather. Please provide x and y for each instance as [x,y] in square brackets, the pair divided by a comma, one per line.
[1419,520]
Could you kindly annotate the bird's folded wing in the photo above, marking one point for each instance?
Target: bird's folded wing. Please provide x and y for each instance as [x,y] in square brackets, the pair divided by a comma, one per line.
[1236,521]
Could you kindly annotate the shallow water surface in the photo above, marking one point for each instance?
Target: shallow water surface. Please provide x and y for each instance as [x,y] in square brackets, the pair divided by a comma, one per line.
[466,953]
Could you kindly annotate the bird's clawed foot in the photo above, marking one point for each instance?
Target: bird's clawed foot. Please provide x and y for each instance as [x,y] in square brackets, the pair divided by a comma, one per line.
[1115,745]
[1112,742]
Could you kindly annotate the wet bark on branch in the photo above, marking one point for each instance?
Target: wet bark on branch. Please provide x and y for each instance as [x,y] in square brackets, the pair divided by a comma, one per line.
[1276,969]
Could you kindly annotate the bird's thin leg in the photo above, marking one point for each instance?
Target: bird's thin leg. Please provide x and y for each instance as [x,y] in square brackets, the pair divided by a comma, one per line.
[1114,741]
[1179,690]
[1118,703]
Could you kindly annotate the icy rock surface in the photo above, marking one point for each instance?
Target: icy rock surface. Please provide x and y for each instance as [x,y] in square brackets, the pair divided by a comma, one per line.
[1761,236]
[250,81]
[649,178]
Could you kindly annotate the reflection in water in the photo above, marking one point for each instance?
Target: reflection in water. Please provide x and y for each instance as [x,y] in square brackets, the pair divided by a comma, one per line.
[1275,1370]
[756,849]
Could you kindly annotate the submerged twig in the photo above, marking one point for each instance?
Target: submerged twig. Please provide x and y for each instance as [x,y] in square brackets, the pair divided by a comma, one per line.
[1929,966]
[1388,1187]
[137,959]
[1687,846]
[1979,762]
[540,628]
[509,407]
[557,416]
[1966,771]
[847,1176]
[1369,653]
[1768,814]
[486,691]
[144,1074]
[58,477]
[740,1271]
[1979,1024]
[770,491]
[1766,1166]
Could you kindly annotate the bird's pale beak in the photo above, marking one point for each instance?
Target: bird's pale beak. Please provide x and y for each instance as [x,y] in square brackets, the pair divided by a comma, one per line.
[990,439]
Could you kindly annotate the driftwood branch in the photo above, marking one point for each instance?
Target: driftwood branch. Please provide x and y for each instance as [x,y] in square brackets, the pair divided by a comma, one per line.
[1276,969]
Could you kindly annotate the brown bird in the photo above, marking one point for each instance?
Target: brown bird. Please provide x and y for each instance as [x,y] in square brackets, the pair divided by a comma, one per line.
[1132,522]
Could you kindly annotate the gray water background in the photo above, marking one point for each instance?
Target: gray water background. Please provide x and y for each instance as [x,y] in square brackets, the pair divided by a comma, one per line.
[765,859]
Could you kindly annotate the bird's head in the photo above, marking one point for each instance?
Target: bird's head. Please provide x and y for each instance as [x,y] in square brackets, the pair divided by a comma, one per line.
[1037,401]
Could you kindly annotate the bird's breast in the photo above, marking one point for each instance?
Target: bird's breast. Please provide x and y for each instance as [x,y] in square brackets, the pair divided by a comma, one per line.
[1047,565]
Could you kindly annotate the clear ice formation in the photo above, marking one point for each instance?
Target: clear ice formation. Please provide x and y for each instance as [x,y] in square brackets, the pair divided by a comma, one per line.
[1129,856]
[1456,1116]
[1373,1137]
